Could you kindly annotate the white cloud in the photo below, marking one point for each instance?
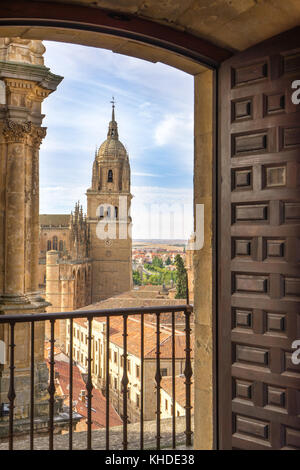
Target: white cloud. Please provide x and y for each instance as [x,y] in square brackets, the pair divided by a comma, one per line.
[155,124]
[159,212]
[174,129]
[61,199]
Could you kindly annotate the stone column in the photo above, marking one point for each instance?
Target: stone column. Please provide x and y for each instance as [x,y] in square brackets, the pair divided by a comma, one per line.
[37,136]
[205,411]
[27,83]
[15,135]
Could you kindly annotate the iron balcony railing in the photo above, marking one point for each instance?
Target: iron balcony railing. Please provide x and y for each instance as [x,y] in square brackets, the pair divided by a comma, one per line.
[32,319]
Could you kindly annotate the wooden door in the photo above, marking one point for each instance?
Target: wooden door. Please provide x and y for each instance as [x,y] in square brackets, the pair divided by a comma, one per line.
[259,247]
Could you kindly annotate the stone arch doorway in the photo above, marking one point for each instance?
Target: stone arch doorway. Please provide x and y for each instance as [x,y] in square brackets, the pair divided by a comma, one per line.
[155,42]
[199,59]
[203,78]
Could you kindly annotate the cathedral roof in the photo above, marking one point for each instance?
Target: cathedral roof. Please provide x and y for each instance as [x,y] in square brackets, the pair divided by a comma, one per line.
[56,220]
[112,147]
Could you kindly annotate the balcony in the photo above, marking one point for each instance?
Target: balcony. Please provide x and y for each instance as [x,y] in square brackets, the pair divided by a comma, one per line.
[140,348]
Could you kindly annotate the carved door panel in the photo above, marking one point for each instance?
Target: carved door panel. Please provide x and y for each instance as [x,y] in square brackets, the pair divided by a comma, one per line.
[259,243]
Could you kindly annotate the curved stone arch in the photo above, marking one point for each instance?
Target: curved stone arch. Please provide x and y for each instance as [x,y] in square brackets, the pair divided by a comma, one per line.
[39,20]
[122,33]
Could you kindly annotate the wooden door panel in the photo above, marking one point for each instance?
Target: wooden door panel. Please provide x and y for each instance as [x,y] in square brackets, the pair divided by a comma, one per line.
[259,238]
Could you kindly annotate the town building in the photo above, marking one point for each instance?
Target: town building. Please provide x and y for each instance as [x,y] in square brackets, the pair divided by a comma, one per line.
[167,396]
[134,359]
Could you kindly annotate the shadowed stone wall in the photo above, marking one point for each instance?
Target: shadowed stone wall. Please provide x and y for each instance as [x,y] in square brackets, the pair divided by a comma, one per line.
[26,82]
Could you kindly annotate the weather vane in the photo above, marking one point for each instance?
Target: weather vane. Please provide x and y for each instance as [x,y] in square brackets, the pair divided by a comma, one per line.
[113,101]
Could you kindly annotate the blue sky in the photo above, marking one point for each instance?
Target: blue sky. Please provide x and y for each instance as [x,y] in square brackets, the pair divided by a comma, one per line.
[154,110]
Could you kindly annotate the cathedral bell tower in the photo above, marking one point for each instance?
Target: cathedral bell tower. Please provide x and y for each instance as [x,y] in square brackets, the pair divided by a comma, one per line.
[108,213]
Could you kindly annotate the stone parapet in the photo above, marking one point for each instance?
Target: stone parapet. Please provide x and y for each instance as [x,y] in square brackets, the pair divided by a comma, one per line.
[61,442]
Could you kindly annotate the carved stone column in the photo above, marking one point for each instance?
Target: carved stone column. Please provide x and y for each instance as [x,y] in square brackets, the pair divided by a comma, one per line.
[37,135]
[27,82]
[15,134]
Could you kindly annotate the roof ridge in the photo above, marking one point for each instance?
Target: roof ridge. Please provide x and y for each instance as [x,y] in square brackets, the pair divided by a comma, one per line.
[160,344]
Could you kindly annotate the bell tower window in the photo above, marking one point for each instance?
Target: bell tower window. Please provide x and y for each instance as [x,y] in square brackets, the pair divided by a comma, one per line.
[110,176]
[2,92]
[54,243]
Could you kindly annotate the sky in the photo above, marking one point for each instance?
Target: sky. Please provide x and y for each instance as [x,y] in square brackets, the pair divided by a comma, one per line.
[154,111]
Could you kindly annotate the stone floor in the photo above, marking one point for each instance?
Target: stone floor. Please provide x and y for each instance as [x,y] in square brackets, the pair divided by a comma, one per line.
[61,442]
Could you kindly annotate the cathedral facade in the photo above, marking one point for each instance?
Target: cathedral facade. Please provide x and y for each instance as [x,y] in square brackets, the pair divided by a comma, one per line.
[87,258]
[108,215]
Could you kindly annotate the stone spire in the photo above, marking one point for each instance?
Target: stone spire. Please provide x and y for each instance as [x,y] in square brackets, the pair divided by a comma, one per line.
[110,191]
[113,125]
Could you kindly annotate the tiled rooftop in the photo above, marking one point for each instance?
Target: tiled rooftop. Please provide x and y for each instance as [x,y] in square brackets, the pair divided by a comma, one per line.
[98,400]
[134,337]
[166,385]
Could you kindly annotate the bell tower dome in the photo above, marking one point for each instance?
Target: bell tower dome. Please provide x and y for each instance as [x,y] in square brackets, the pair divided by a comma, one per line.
[108,207]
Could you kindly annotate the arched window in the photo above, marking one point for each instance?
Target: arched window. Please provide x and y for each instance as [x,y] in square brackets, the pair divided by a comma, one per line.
[101,212]
[54,243]
[2,92]
[116,212]
[108,212]
[48,245]
[61,245]
[110,176]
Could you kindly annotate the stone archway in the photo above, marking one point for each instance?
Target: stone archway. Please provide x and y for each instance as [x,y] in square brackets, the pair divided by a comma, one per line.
[181,58]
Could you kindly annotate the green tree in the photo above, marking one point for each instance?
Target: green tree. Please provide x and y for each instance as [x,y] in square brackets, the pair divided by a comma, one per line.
[168,261]
[137,280]
[157,262]
[154,280]
[181,284]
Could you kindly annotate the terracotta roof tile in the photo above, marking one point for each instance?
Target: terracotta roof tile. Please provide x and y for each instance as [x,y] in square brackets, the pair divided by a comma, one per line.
[98,400]
[166,384]
[134,337]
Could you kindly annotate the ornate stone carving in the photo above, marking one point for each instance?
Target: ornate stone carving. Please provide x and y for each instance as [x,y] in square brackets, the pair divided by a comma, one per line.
[14,131]
[27,198]
[22,50]
[38,134]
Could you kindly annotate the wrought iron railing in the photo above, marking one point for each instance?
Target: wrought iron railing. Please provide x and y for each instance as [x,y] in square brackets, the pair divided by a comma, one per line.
[32,319]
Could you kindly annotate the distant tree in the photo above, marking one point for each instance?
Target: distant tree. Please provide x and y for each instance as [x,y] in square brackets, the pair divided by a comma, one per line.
[157,262]
[181,284]
[168,261]
[137,280]
[154,279]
